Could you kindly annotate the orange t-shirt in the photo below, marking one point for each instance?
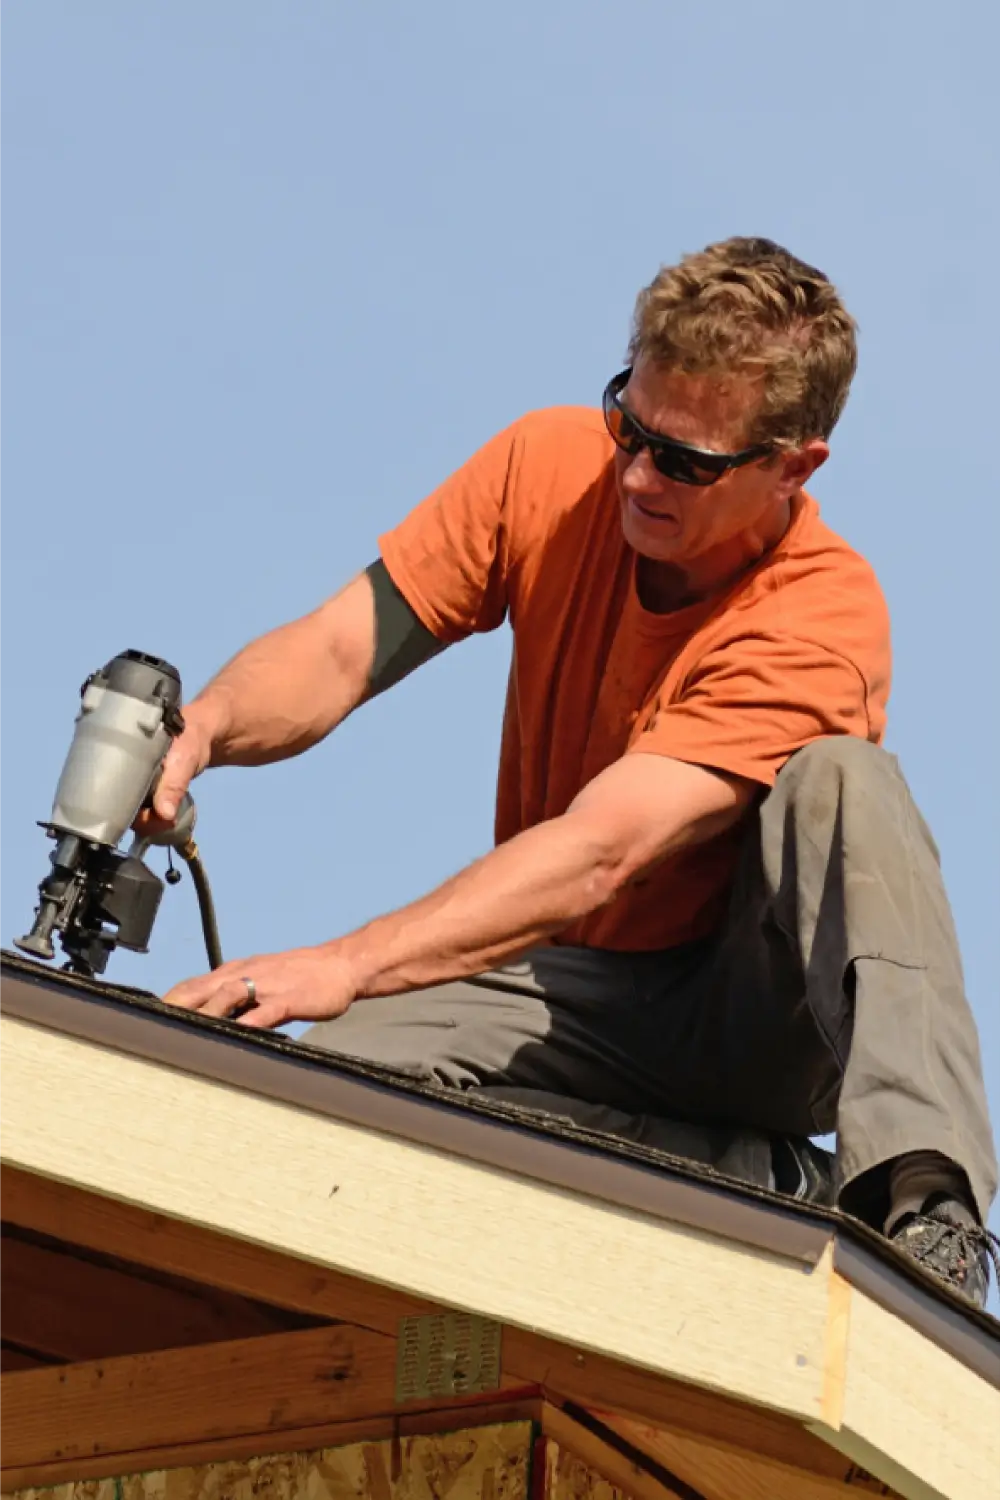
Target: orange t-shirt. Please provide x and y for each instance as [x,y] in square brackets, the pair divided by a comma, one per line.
[529,529]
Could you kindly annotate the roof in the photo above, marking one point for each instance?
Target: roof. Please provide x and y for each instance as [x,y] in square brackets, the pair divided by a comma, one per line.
[512,1214]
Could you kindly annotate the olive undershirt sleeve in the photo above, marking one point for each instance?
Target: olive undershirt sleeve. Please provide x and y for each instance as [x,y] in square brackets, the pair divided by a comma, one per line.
[402,642]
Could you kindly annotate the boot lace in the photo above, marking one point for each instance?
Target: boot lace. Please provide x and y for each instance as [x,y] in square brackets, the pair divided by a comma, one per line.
[958,1244]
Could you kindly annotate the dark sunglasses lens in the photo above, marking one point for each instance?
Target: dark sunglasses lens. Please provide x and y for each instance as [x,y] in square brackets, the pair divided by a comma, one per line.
[620,425]
[671,460]
[675,463]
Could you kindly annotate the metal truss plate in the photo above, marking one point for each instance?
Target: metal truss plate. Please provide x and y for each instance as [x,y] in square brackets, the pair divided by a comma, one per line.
[447,1355]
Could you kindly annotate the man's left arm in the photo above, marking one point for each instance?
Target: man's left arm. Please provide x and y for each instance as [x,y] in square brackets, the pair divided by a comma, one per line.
[642,809]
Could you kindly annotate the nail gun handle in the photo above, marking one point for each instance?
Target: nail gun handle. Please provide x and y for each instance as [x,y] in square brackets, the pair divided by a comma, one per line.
[174,837]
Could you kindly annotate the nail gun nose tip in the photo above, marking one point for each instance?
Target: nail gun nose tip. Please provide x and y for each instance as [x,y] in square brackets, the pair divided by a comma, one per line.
[37,945]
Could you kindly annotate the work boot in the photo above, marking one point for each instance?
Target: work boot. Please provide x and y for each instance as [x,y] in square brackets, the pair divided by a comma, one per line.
[948,1241]
[802,1170]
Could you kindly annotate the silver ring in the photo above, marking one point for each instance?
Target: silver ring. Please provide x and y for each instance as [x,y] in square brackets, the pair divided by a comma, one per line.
[251,991]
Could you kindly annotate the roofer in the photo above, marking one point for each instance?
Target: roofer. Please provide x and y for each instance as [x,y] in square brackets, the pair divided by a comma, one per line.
[712,899]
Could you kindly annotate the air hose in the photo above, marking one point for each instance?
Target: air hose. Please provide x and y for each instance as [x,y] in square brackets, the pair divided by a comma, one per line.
[189,853]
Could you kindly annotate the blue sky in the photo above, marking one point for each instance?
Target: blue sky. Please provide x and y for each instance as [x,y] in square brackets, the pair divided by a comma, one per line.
[272,271]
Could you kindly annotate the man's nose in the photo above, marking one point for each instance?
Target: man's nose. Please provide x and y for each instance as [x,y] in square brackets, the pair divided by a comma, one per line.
[640,477]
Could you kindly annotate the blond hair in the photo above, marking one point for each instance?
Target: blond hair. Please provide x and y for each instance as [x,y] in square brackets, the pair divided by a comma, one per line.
[747,306]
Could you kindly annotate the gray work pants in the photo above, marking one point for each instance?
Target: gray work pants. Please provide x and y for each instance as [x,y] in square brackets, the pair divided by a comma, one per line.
[831,999]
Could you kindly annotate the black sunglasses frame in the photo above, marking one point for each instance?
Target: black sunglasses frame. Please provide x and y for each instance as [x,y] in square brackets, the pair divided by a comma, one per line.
[671,458]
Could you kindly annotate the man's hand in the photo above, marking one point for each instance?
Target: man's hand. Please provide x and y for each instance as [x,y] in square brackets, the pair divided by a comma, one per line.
[526,891]
[187,758]
[311,984]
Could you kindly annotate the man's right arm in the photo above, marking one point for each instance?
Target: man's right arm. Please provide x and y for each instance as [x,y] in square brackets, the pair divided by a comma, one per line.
[287,690]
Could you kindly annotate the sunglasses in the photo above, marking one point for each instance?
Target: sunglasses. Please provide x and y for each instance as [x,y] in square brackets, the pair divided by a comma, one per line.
[674,460]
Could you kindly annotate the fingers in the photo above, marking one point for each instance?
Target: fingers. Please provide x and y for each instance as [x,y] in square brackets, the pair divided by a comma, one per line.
[224,994]
[229,997]
[181,766]
[186,759]
[310,984]
[264,1017]
[215,994]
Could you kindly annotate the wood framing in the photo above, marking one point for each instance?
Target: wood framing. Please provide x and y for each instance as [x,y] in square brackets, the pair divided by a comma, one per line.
[64,1305]
[644,1465]
[928,1425]
[253,1298]
[13,1358]
[486,1460]
[382,1208]
[325,1435]
[534,1450]
[65,1211]
[70,1213]
[727,1469]
[171,1397]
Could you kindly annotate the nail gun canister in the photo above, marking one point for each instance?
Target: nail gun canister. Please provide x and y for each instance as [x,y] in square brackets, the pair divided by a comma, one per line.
[129,713]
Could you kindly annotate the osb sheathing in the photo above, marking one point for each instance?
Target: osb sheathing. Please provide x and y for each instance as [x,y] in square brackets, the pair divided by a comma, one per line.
[479,1462]
[473,1463]
[569,1479]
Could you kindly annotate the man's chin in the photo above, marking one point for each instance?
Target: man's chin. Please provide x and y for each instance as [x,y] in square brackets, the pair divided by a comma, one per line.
[658,538]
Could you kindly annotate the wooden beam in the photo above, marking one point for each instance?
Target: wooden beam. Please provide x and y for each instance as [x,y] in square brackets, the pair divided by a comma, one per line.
[694,1307]
[471,1414]
[618,1468]
[606,1458]
[924,1422]
[703,1313]
[72,1308]
[565,1371]
[136,1403]
[720,1470]
[139,1402]
[18,1358]
[128,1231]
[600,1384]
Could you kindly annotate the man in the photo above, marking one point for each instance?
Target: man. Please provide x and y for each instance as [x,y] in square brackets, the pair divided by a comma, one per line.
[711,897]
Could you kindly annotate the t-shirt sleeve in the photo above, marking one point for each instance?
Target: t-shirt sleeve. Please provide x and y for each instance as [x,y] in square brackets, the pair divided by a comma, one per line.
[752,702]
[449,557]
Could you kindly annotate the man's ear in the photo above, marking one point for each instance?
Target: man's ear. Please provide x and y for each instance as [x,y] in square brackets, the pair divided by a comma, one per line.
[800,463]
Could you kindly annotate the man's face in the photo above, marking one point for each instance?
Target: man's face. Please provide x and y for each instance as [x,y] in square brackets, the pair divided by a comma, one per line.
[675,523]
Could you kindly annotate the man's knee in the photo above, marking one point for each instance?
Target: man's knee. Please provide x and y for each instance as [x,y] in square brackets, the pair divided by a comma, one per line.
[840,771]
[835,759]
